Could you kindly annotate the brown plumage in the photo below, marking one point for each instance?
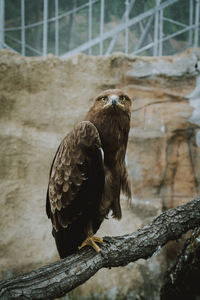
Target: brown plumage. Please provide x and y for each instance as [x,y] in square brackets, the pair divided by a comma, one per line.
[89,172]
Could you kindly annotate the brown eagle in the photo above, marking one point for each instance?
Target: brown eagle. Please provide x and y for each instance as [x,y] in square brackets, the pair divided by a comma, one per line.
[89,172]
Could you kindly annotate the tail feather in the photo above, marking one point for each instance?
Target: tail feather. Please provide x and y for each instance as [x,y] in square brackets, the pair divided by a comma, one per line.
[67,240]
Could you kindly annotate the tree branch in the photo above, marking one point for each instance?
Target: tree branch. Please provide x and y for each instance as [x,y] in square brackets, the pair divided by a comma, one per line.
[57,279]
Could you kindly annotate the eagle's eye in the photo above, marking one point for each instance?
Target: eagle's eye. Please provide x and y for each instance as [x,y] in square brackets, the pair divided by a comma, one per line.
[122,99]
[103,99]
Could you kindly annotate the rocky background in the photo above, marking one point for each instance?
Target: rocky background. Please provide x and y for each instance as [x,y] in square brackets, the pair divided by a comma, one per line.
[42,98]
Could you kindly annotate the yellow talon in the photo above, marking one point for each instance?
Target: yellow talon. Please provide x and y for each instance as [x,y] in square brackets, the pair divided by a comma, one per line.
[91,241]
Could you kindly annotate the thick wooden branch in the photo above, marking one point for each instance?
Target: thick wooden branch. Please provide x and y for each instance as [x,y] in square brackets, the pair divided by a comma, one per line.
[58,278]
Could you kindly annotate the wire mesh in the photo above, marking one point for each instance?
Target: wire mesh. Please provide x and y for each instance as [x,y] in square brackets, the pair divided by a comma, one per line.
[98,27]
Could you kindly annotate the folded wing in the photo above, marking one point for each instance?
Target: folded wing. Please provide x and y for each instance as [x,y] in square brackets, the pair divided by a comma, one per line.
[76,179]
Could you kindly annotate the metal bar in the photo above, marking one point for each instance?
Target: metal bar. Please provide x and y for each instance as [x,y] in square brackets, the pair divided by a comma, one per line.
[2,11]
[71,27]
[160,48]
[23,27]
[191,10]
[163,5]
[179,32]
[119,28]
[26,26]
[101,28]
[166,38]
[74,10]
[174,22]
[111,45]
[56,29]
[12,28]
[8,47]
[143,48]
[90,25]
[126,22]
[196,32]
[139,44]
[51,19]
[45,27]
[156,30]
[19,42]
[151,44]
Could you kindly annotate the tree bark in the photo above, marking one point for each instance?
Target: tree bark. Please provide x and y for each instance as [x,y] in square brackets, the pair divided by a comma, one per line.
[181,281]
[56,279]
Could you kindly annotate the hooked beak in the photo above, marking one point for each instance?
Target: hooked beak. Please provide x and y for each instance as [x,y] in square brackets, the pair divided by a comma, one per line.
[114,103]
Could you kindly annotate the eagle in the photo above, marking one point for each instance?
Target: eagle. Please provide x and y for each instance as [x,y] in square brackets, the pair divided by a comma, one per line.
[88,173]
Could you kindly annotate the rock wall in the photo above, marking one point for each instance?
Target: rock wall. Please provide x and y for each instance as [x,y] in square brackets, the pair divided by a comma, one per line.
[42,98]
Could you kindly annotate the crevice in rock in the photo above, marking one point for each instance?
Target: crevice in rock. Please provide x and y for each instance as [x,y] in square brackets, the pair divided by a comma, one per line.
[166,189]
[158,102]
[190,143]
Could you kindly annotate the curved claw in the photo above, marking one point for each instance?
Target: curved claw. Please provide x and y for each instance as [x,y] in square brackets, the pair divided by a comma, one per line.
[91,241]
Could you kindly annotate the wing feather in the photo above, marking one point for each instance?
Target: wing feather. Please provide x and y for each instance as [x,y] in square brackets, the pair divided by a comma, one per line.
[69,171]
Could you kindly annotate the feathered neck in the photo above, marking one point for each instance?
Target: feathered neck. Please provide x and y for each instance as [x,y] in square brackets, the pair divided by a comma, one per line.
[113,127]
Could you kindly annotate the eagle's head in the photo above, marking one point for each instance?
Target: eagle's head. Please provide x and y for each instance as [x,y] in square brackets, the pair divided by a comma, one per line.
[113,100]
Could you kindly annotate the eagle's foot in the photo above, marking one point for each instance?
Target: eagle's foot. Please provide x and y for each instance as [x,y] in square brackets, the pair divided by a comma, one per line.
[91,241]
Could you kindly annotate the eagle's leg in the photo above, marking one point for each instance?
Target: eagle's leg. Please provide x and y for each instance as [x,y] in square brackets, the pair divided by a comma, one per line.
[91,240]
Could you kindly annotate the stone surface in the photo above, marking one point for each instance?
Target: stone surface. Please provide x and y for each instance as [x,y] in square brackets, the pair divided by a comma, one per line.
[42,98]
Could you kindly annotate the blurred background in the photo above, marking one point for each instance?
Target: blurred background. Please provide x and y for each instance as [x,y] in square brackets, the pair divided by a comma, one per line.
[60,27]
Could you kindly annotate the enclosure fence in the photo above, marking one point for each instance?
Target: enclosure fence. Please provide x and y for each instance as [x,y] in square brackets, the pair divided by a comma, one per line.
[63,28]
